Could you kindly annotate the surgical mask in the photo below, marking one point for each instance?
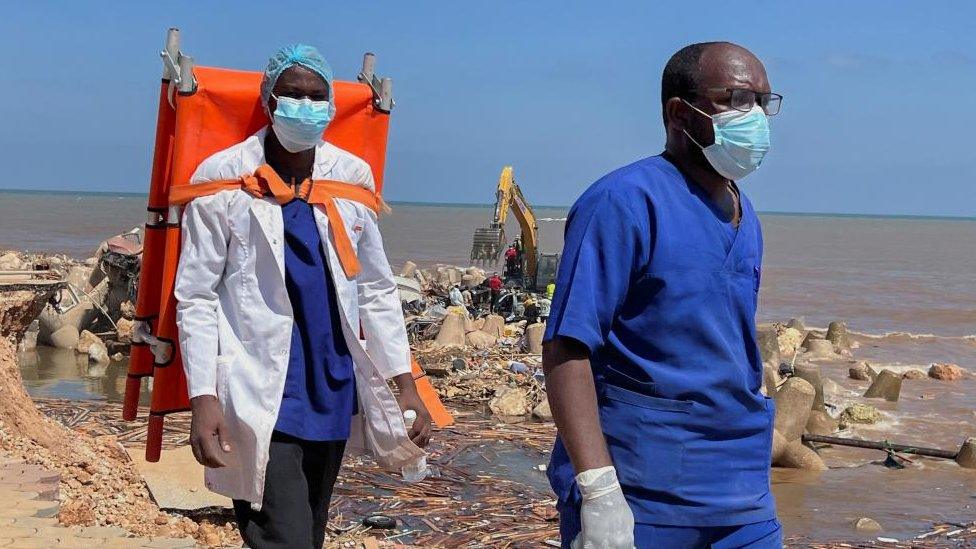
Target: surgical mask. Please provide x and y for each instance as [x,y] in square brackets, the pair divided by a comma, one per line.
[299,123]
[741,141]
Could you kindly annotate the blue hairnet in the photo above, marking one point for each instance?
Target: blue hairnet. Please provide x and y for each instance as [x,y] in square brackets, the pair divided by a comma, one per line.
[295,54]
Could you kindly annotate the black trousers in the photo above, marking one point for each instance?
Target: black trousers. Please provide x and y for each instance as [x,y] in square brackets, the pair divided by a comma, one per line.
[297,488]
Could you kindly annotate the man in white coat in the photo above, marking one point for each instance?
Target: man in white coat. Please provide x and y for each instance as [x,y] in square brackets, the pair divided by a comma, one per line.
[273,295]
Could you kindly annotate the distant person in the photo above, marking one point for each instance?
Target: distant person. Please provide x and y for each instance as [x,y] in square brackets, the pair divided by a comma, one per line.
[545,305]
[269,316]
[652,367]
[495,284]
[511,262]
[531,307]
[550,290]
[457,300]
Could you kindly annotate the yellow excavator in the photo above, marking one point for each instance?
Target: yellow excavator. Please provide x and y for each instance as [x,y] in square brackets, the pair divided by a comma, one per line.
[537,269]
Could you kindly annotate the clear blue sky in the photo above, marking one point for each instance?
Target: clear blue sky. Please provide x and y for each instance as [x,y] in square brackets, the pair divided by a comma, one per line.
[878,116]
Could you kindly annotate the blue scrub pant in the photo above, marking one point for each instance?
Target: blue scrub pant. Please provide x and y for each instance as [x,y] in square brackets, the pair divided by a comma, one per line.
[758,535]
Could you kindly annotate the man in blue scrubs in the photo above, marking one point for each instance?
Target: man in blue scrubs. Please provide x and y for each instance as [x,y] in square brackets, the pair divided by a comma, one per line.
[652,367]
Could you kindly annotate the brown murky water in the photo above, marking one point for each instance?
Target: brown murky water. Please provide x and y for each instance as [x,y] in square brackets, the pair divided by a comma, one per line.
[905,286]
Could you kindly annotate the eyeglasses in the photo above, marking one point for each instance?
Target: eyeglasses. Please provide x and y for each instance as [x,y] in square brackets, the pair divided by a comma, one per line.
[744,99]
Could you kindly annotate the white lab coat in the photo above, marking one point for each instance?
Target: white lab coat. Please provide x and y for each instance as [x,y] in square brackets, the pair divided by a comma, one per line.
[235,318]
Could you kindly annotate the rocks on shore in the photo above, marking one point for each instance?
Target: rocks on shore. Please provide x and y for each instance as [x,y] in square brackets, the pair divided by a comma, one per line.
[859,414]
[914,374]
[867,525]
[861,371]
[789,340]
[91,345]
[946,372]
[509,401]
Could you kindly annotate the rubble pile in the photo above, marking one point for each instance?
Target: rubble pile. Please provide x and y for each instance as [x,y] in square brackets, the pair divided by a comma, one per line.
[476,355]
[98,484]
[504,383]
[92,311]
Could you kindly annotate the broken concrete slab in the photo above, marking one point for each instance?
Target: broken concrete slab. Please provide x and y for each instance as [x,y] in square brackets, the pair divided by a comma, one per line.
[176,481]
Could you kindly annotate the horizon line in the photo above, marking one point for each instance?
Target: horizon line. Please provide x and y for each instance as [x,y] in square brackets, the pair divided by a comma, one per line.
[128,194]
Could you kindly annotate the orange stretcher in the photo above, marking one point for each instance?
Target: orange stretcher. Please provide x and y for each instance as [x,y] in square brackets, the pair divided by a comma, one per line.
[203,110]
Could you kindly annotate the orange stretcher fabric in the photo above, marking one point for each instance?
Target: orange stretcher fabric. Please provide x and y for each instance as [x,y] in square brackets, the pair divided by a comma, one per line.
[224,110]
[153,251]
[442,418]
[321,192]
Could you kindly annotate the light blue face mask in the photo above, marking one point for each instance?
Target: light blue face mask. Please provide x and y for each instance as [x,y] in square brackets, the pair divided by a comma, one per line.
[741,141]
[299,123]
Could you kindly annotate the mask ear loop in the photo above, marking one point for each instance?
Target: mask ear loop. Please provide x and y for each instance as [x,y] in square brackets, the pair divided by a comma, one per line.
[693,140]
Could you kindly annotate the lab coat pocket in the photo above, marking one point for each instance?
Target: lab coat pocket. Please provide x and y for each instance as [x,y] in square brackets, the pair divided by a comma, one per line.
[644,438]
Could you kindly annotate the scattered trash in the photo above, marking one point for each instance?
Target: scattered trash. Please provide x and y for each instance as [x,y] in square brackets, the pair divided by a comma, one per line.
[380,522]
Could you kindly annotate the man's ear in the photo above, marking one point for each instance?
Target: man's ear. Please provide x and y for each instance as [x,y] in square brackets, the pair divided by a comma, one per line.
[676,113]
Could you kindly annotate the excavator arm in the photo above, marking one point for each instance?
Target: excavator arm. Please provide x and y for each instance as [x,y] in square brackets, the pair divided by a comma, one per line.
[530,231]
[490,241]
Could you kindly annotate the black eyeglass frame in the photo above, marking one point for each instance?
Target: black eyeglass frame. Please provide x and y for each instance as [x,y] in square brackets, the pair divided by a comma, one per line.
[763,99]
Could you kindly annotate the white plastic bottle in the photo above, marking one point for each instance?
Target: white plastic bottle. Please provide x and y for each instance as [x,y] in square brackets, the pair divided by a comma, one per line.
[413,473]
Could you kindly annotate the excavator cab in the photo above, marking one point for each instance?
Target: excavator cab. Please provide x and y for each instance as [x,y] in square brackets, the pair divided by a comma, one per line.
[546,272]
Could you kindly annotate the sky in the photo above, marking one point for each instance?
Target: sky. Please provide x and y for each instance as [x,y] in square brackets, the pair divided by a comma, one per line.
[877,116]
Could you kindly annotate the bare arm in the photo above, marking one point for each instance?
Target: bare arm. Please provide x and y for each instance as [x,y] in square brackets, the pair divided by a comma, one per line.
[572,397]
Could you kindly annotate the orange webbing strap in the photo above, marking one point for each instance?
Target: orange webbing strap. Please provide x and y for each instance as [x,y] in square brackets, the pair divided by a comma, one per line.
[320,191]
[442,418]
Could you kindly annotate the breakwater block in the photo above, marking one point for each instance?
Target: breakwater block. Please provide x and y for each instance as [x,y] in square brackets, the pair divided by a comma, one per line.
[779,446]
[967,454]
[452,331]
[798,456]
[811,373]
[837,334]
[820,348]
[533,337]
[494,325]
[821,423]
[887,386]
[794,402]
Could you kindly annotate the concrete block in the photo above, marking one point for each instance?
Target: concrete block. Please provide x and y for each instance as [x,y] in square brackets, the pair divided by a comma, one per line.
[821,423]
[533,337]
[838,336]
[798,456]
[811,373]
[794,401]
[452,331]
[887,386]
[967,454]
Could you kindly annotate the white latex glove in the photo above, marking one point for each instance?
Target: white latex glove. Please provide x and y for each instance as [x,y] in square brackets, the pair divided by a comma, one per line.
[607,521]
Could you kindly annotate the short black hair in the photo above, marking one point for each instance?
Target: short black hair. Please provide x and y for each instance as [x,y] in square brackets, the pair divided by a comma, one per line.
[682,73]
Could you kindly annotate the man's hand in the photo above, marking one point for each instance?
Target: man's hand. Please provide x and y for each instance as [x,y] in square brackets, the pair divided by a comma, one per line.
[208,432]
[409,399]
[605,516]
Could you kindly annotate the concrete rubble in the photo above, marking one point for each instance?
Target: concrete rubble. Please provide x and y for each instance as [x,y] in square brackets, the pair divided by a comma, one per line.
[93,301]
[946,372]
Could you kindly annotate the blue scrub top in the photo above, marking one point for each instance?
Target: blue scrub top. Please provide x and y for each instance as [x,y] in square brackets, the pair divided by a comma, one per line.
[320,388]
[663,293]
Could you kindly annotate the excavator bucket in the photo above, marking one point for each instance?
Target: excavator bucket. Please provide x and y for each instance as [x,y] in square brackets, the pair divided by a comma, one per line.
[487,244]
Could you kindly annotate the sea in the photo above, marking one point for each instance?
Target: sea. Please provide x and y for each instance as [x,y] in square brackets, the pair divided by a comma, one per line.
[904,285]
